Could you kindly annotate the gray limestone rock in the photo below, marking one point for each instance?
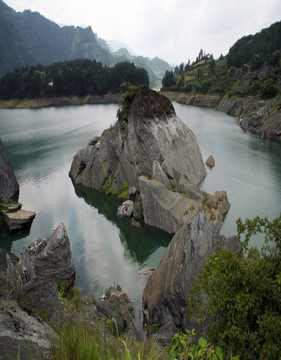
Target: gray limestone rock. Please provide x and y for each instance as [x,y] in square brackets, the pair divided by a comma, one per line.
[8,182]
[51,258]
[158,173]
[22,336]
[43,264]
[169,210]
[126,209]
[16,220]
[163,208]
[151,132]
[167,290]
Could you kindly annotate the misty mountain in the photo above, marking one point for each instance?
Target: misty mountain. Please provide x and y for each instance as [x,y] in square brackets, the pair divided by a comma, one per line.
[28,38]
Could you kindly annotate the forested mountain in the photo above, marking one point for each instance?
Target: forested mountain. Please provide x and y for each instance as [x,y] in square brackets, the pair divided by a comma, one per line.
[28,38]
[76,77]
[252,67]
[255,49]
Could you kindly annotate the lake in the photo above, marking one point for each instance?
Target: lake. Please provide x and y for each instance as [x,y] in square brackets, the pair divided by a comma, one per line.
[107,251]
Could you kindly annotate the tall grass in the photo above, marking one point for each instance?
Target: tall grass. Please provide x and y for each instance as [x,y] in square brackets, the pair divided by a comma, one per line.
[82,341]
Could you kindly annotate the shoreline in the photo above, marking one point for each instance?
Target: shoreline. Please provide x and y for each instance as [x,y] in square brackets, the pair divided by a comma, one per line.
[59,101]
[262,117]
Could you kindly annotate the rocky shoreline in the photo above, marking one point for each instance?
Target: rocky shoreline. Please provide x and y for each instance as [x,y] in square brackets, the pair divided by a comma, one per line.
[152,157]
[262,117]
[59,101]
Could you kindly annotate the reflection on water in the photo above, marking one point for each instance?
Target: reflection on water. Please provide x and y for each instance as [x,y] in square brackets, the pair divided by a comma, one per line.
[139,243]
[107,250]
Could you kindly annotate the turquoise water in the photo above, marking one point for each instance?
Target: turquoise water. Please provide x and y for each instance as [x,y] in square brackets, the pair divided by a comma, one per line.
[41,144]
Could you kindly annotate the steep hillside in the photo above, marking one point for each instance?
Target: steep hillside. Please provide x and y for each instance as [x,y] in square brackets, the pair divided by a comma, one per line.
[248,79]
[255,49]
[28,38]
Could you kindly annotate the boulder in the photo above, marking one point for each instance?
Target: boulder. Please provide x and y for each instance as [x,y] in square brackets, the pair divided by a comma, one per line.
[167,290]
[49,258]
[116,306]
[8,183]
[168,209]
[210,161]
[147,131]
[42,266]
[22,335]
[125,307]
[16,220]
[163,208]
[126,209]
[233,106]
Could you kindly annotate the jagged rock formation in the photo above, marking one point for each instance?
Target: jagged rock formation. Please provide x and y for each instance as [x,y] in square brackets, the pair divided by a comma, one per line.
[30,288]
[8,182]
[167,290]
[43,264]
[149,131]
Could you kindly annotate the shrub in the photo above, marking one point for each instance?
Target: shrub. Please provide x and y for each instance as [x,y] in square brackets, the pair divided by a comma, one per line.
[244,294]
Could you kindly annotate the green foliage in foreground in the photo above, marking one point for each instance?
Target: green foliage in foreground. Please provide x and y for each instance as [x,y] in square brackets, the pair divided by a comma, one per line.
[183,347]
[244,294]
[83,341]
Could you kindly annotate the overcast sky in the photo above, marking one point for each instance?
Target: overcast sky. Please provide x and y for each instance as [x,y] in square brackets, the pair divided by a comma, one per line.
[174,30]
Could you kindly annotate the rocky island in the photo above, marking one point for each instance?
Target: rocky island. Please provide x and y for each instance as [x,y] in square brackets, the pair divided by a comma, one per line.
[152,151]
[153,159]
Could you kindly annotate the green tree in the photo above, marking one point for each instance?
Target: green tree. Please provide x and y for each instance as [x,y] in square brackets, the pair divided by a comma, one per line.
[244,294]
[168,79]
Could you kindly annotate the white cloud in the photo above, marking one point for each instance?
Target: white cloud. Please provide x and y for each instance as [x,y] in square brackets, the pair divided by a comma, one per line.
[174,30]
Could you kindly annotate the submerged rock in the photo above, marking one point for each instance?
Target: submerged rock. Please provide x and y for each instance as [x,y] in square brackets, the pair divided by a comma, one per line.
[8,183]
[149,132]
[167,290]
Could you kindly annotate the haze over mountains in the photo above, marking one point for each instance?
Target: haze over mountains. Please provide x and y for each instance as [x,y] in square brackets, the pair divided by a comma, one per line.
[28,38]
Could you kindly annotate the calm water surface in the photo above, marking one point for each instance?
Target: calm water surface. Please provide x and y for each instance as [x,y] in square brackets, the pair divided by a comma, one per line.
[41,144]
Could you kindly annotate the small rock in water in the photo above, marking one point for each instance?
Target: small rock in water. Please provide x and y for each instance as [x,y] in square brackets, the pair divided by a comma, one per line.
[126,209]
[210,161]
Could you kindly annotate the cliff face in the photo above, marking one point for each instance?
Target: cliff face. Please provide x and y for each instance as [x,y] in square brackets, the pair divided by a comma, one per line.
[150,131]
[8,182]
[259,116]
[166,293]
